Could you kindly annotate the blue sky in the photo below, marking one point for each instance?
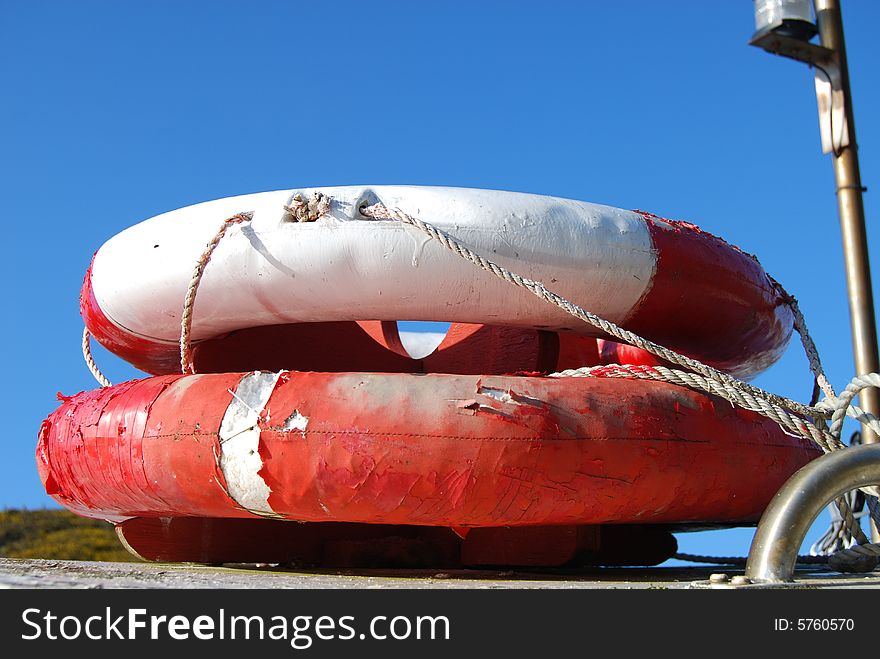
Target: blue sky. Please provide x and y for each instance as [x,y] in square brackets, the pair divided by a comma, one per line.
[115,111]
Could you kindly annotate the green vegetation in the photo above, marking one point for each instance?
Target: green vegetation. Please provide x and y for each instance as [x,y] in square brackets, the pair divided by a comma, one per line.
[58,534]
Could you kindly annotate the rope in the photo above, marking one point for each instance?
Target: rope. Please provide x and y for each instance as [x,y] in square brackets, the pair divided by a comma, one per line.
[90,362]
[712,380]
[300,210]
[800,326]
[791,423]
[789,414]
[190,299]
[856,559]
[838,536]
[740,560]
[842,403]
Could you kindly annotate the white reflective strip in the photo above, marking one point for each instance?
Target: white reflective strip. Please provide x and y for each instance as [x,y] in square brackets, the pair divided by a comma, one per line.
[346,268]
[240,459]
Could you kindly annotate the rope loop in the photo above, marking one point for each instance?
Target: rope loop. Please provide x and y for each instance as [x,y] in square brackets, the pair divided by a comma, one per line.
[90,362]
[189,301]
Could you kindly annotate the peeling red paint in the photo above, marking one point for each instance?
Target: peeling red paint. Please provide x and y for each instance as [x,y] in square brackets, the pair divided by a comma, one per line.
[392,448]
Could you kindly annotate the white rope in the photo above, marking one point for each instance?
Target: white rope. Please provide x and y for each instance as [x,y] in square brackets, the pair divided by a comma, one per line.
[800,325]
[299,210]
[843,403]
[190,298]
[90,362]
[791,423]
[713,380]
[789,414]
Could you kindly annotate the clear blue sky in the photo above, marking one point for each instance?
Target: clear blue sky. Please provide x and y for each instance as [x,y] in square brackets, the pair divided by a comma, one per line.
[115,111]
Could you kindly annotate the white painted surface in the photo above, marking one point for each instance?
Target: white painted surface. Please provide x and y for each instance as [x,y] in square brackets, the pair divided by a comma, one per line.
[345,267]
[240,459]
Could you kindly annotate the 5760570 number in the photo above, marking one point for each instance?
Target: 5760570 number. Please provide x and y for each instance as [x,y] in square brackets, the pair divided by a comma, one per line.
[813,624]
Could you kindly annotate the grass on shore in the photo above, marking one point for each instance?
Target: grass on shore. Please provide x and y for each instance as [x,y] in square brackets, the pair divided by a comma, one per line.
[58,534]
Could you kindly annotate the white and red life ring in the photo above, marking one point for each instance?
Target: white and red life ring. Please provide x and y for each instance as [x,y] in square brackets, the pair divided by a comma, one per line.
[665,280]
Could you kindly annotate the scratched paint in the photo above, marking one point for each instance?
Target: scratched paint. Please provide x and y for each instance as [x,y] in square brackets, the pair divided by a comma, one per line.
[394,449]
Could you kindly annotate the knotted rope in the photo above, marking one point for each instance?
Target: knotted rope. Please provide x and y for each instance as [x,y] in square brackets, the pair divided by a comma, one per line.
[300,210]
[790,415]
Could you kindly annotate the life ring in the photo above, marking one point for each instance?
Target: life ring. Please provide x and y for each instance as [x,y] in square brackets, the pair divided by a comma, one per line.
[428,450]
[648,274]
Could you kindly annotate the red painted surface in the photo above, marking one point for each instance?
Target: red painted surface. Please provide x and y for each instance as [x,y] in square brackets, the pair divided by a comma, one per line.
[611,352]
[707,299]
[375,346]
[332,347]
[711,301]
[441,450]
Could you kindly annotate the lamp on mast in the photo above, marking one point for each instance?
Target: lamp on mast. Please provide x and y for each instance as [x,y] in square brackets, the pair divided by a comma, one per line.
[785,27]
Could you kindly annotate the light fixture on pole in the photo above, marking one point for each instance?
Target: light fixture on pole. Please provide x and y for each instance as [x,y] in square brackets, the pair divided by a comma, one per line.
[789,18]
[784,27]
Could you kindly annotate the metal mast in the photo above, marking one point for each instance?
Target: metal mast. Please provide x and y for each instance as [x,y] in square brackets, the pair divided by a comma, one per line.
[852,218]
[787,35]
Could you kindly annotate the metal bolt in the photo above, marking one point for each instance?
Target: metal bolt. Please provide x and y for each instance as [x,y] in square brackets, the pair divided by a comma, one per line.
[718,577]
[740,580]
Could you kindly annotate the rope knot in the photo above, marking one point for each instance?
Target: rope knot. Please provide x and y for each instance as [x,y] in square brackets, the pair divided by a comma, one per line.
[300,210]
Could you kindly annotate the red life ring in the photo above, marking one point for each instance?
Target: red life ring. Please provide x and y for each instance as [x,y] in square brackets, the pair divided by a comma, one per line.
[437,450]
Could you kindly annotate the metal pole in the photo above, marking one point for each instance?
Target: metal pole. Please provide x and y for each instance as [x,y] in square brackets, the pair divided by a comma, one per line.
[852,222]
[788,517]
